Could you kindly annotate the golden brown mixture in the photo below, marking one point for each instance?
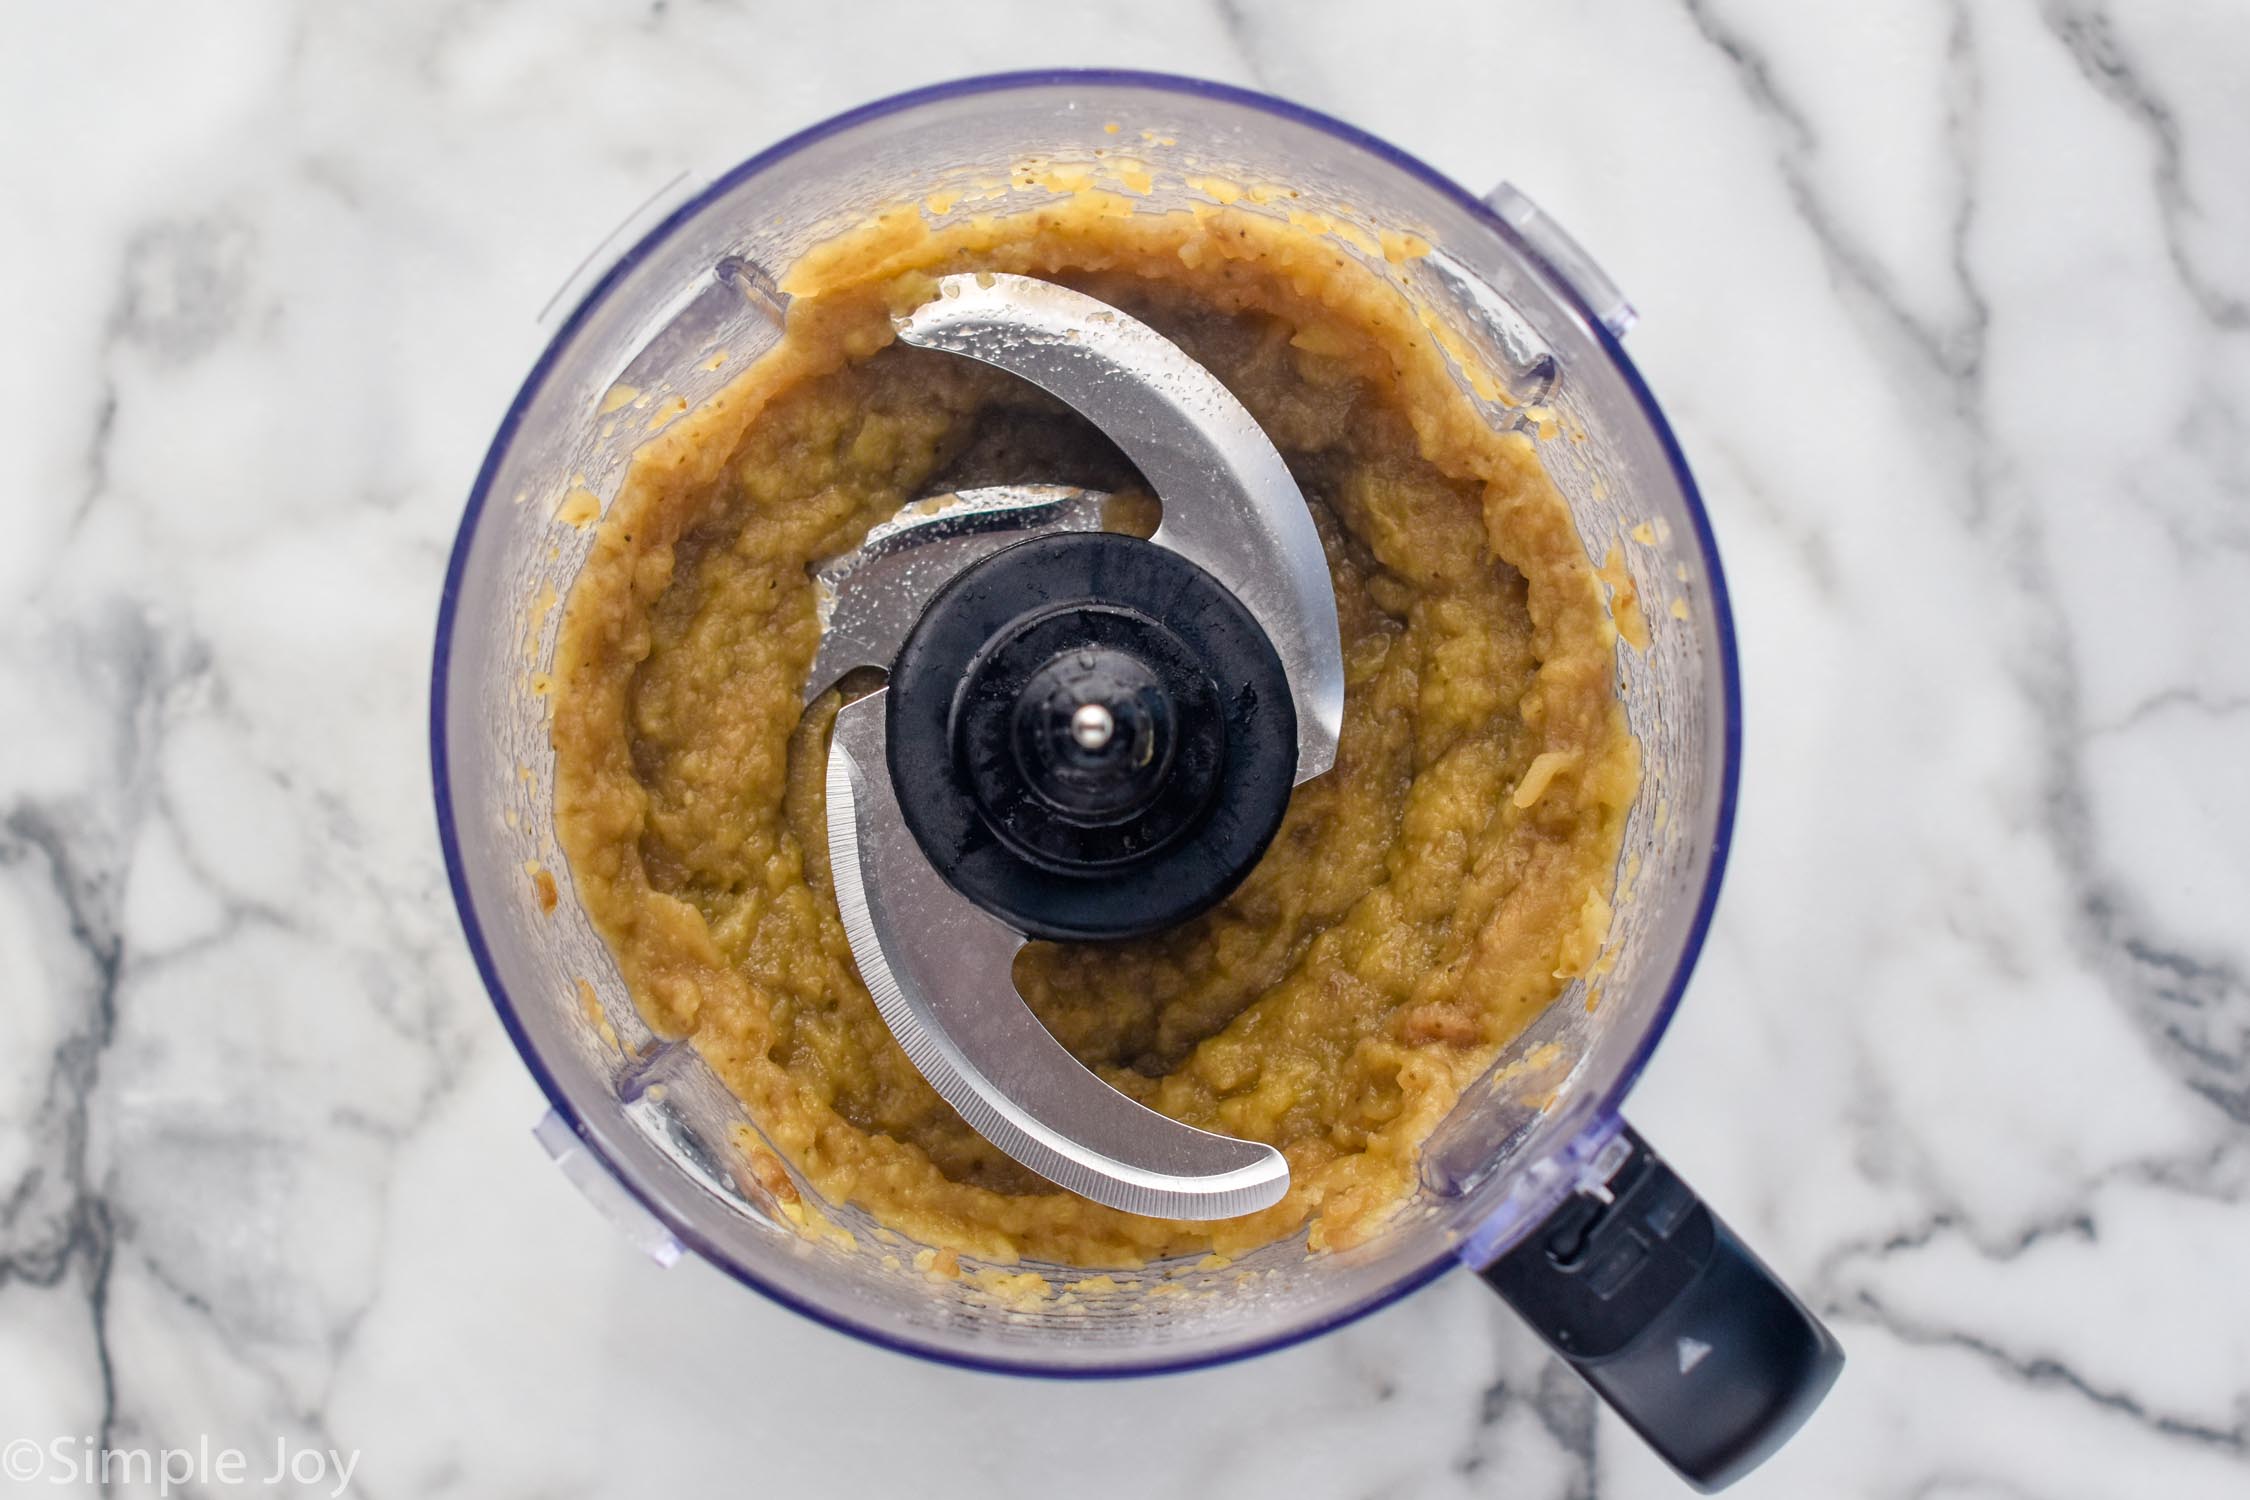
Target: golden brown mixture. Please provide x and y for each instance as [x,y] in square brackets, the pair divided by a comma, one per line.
[1422,902]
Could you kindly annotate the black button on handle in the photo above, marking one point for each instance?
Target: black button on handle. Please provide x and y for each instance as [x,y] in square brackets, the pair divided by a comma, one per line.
[1670,1318]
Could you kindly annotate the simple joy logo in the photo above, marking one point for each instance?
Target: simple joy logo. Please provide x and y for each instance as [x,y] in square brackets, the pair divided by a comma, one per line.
[84,1463]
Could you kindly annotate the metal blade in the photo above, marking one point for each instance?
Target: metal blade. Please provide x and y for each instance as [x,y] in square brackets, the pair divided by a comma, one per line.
[939,967]
[1230,504]
[870,597]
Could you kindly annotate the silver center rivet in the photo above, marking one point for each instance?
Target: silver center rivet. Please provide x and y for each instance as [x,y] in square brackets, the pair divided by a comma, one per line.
[1091,726]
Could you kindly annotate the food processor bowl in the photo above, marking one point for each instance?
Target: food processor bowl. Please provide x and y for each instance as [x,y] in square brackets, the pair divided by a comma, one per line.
[1529,1179]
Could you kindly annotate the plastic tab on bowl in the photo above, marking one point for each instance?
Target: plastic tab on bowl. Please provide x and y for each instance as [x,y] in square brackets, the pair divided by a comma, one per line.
[1564,255]
[586,1173]
[732,313]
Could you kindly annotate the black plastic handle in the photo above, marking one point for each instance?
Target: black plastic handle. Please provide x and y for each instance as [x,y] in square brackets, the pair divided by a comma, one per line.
[1670,1318]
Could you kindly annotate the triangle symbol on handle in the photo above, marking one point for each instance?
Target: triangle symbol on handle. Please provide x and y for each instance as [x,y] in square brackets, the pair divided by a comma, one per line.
[1692,1353]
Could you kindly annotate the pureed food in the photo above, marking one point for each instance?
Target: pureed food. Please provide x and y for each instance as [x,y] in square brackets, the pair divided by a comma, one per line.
[1422,902]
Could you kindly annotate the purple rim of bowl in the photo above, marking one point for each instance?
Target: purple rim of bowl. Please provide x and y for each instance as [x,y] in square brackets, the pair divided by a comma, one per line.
[1604,1110]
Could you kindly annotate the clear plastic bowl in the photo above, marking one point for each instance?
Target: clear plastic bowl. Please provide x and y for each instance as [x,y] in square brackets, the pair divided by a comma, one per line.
[649,1130]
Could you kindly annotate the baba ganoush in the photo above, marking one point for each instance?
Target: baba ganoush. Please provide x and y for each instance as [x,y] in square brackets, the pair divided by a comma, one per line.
[1422,902]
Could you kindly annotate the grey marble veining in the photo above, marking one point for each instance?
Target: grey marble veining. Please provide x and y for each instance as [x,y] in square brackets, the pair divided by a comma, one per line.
[1950,302]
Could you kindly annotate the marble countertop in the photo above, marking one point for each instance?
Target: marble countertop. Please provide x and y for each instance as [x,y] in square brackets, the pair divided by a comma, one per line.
[1951,306]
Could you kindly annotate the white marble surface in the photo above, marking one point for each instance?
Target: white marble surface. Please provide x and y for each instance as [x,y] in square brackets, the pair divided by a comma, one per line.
[1951,304]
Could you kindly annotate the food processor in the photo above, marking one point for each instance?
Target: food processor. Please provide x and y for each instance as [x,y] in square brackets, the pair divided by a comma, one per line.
[1066,709]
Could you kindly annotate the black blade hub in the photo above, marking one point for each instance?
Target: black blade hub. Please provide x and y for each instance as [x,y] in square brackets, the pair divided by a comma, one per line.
[1090,736]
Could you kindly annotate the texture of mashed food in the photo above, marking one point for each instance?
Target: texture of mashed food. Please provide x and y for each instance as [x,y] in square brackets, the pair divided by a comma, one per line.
[1421,902]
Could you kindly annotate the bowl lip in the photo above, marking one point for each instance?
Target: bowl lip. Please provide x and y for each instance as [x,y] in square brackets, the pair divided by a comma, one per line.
[1604,1110]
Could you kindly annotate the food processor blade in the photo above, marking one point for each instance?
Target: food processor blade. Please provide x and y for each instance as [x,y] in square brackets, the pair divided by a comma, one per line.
[936,955]
[938,967]
[870,597]
[1230,504]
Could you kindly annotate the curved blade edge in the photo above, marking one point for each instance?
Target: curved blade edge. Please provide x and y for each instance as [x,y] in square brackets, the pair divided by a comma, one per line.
[948,997]
[1231,505]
